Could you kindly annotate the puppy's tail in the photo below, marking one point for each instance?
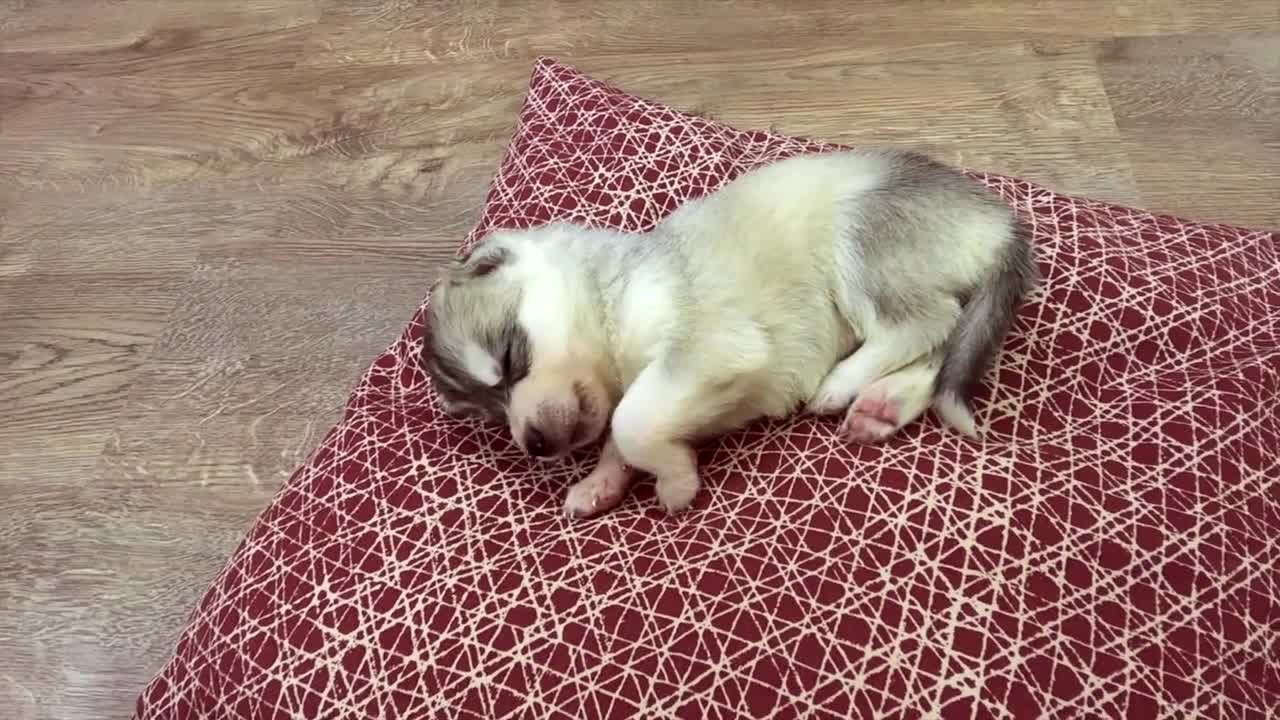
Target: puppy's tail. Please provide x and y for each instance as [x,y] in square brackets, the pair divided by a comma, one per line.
[984,322]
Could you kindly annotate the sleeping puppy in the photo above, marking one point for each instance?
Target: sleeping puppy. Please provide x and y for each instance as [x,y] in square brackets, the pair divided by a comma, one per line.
[877,283]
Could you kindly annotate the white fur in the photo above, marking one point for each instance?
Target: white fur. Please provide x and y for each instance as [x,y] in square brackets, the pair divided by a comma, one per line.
[956,414]
[481,365]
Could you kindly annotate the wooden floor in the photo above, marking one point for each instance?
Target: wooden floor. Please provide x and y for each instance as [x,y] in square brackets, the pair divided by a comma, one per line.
[214,214]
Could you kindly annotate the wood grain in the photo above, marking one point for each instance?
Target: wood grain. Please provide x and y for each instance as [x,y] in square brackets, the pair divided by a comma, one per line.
[1199,118]
[213,215]
[429,31]
[1038,110]
[88,37]
[88,285]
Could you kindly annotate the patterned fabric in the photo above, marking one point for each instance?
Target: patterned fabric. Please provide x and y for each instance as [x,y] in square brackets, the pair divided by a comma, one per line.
[1110,548]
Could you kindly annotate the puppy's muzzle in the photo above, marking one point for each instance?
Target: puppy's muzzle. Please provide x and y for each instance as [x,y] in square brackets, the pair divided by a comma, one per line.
[552,431]
[535,443]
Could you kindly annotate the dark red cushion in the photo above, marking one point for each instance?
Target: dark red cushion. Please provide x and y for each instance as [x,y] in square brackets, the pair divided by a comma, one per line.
[1111,547]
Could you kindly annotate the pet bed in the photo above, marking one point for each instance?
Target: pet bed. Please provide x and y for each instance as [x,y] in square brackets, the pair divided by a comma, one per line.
[1110,547]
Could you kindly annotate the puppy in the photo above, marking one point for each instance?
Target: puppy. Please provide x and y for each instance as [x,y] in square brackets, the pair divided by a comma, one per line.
[871,282]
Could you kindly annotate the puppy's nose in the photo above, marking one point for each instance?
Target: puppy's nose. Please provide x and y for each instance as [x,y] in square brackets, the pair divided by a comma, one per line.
[536,443]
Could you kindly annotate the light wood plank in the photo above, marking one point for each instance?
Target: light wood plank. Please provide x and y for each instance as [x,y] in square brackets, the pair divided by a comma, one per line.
[426,32]
[1199,118]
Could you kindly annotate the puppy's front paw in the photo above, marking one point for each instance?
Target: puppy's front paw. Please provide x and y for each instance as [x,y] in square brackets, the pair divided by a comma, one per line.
[598,492]
[676,494]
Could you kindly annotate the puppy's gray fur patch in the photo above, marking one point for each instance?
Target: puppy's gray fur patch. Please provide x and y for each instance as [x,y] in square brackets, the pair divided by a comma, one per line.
[486,313]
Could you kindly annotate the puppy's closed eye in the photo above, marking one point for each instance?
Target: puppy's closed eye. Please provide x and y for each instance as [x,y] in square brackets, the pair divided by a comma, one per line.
[513,368]
[458,409]
[464,409]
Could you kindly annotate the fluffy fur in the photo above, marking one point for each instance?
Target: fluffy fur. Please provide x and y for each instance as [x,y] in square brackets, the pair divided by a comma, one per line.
[876,283]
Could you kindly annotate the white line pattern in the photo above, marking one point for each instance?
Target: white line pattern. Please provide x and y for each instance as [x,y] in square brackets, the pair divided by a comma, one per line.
[1111,548]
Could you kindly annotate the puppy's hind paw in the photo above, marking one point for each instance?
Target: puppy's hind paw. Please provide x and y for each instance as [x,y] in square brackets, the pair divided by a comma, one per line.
[873,418]
[833,396]
[676,494]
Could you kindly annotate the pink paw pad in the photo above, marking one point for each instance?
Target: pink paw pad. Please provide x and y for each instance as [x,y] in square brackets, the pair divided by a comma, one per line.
[598,493]
[872,419]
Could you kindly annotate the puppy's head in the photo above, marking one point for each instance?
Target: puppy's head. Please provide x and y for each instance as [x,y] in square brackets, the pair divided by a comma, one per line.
[505,341]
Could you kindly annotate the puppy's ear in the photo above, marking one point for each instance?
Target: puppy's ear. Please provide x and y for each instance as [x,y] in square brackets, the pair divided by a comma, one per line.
[480,262]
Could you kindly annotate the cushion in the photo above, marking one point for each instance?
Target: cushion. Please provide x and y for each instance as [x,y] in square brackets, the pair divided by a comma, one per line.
[1109,547]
